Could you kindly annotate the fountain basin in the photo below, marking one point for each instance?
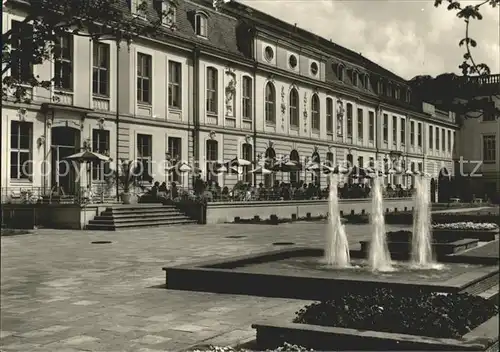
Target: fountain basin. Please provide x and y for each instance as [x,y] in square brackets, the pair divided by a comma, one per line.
[298,273]
[274,332]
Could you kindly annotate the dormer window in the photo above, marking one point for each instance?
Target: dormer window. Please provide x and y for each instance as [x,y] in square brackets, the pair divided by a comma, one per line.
[381,87]
[167,11]
[354,78]
[366,80]
[138,7]
[408,96]
[389,90]
[397,93]
[340,72]
[200,21]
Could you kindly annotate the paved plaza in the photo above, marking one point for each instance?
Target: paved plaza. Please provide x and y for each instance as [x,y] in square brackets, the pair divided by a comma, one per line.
[62,293]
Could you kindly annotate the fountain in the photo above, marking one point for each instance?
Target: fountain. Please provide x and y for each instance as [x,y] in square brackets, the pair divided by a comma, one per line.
[421,243]
[336,246]
[379,257]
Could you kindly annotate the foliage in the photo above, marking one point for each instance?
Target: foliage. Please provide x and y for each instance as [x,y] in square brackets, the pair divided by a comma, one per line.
[414,312]
[38,38]
[285,348]
[466,226]
[126,175]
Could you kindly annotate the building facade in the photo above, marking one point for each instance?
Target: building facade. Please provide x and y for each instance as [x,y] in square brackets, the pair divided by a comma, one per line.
[213,86]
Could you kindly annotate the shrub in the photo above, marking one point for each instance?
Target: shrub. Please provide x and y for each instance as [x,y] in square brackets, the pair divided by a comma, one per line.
[416,313]
[474,226]
[285,348]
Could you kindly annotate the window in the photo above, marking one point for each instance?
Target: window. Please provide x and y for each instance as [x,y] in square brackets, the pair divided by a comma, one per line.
[397,93]
[437,139]
[385,128]
[144,155]
[246,154]
[449,141]
[269,53]
[270,103]
[63,65]
[292,61]
[136,7]
[100,69]
[362,81]
[21,68]
[431,138]
[329,115]
[380,87]
[354,78]
[174,84]
[329,159]
[389,90]
[144,77]
[175,151]
[314,68]
[294,108]
[340,118]
[360,124]
[315,113]
[247,98]
[349,120]
[488,115]
[201,24]
[21,135]
[212,87]
[443,139]
[419,134]
[212,154]
[167,11]
[412,133]
[408,96]
[394,130]
[360,161]
[100,144]
[371,126]
[403,131]
[340,73]
[371,163]
[489,149]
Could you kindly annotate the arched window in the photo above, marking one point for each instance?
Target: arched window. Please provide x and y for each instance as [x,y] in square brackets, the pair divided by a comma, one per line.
[340,73]
[246,98]
[200,21]
[212,155]
[246,154]
[294,108]
[329,159]
[212,88]
[349,119]
[329,115]
[294,175]
[270,100]
[315,113]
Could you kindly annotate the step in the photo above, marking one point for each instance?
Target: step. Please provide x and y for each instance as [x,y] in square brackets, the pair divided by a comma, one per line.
[148,215]
[113,227]
[137,213]
[490,294]
[135,219]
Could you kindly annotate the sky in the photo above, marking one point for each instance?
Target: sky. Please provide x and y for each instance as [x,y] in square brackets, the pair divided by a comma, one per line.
[407,37]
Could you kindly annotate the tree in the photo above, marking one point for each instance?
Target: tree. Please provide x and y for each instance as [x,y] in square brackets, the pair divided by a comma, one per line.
[38,37]
[469,13]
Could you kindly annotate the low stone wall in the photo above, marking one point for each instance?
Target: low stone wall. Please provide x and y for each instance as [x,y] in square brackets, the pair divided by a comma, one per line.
[57,216]
[223,212]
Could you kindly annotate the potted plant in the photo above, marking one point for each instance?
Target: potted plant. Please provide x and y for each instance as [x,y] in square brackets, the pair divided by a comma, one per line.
[127,178]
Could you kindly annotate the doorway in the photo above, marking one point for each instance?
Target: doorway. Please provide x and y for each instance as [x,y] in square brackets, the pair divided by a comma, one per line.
[65,142]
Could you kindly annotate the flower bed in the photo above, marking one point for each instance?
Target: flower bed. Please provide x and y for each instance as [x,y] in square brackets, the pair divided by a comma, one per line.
[422,314]
[466,226]
[285,348]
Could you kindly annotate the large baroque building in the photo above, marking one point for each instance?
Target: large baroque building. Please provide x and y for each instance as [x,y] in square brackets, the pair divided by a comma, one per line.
[216,85]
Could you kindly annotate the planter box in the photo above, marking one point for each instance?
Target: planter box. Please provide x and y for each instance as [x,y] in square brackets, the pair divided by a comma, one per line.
[481,235]
[274,333]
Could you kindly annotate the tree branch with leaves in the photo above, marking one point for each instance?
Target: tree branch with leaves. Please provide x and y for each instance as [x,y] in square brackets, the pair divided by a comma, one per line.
[36,38]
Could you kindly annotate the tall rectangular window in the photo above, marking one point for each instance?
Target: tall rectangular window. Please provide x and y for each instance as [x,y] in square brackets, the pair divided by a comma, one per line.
[63,62]
[431,137]
[246,154]
[21,68]
[144,78]
[419,134]
[437,145]
[145,155]
[100,144]
[385,128]
[349,120]
[246,98]
[489,149]
[412,133]
[371,126]
[100,69]
[360,124]
[329,115]
[175,151]
[394,130]
[443,139]
[21,147]
[174,85]
[212,83]
[212,155]
[403,131]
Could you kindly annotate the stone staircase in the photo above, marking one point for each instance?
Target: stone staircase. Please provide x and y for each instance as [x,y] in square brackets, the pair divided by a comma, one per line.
[143,215]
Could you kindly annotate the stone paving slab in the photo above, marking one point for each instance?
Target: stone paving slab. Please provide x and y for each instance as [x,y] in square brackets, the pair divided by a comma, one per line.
[62,293]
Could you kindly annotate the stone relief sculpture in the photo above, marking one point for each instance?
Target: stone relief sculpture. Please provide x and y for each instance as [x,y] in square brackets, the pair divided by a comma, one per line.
[283,107]
[340,117]
[305,112]
[230,91]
